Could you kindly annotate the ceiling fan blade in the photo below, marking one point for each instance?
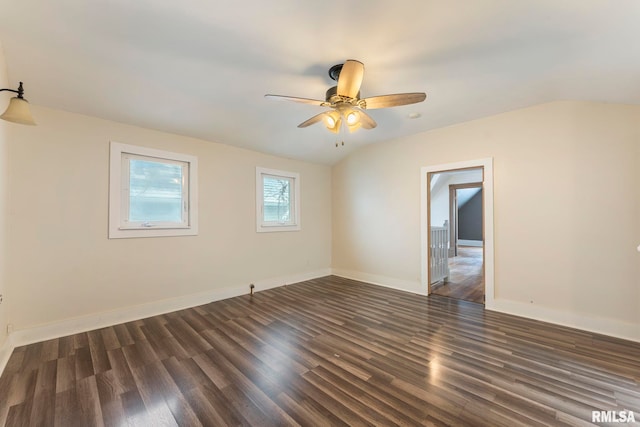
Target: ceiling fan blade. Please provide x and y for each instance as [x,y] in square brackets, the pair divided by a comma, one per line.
[366,120]
[313,120]
[394,100]
[296,99]
[350,78]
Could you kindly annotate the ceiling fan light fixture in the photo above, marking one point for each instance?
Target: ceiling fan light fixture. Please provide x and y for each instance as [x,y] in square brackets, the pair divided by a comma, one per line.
[354,127]
[336,128]
[352,118]
[332,121]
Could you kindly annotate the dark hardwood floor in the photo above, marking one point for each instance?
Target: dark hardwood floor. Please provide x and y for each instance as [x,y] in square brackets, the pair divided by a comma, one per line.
[329,351]
[466,279]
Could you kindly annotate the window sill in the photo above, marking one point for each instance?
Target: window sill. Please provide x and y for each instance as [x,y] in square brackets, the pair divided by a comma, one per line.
[128,233]
[156,227]
[275,228]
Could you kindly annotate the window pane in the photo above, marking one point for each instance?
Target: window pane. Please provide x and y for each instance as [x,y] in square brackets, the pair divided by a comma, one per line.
[155,191]
[276,199]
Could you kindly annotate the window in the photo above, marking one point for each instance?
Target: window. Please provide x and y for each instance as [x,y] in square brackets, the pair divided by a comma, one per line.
[277,200]
[151,193]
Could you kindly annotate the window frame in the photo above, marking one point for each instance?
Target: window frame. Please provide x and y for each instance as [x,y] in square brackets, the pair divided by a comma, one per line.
[294,192]
[120,154]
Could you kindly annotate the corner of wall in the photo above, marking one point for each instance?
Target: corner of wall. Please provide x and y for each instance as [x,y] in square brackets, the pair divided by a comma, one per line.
[5,353]
[5,347]
[388,282]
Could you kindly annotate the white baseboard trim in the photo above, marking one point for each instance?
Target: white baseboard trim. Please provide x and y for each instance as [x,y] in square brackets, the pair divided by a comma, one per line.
[66,327]
[609,327]
[101,320]
[477,243]
[387,282]
[5,353]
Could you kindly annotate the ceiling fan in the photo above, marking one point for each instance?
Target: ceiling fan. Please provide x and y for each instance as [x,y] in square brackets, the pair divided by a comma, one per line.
[345,102]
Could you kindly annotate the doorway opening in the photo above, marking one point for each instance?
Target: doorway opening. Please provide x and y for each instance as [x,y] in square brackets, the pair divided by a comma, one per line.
[457,232]
[457,196]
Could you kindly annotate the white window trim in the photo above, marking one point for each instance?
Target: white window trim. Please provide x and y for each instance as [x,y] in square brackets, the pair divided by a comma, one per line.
[262,227]
[116,231]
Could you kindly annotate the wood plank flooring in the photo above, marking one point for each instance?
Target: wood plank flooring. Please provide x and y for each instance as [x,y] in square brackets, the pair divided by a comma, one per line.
[329,351]
[466,279]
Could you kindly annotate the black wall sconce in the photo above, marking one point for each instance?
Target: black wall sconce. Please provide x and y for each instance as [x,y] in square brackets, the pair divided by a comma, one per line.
[18,110]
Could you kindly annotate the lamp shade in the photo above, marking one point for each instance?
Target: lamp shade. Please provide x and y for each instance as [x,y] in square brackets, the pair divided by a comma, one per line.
[352,118]
[333,120]
[18,111]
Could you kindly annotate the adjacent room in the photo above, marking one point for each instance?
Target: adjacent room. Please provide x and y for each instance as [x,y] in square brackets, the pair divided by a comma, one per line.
[347,213]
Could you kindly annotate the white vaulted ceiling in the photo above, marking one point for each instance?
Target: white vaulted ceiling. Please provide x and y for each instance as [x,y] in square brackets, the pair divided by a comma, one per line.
[201,68]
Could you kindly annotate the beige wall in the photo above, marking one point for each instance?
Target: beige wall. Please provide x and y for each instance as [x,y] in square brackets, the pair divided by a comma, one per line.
[62,265]
[567,208]
[568,246]
[4,101]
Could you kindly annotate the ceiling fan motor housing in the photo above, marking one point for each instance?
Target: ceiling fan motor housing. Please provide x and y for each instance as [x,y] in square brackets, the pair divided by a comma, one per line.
[332,96]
